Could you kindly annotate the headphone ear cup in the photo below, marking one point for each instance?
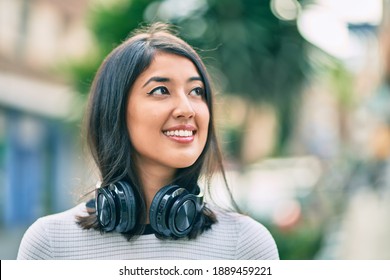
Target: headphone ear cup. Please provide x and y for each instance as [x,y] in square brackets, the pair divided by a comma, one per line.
[105,208]
[116,207]
[160,206]
[173,211]
[127,207]
[183,215]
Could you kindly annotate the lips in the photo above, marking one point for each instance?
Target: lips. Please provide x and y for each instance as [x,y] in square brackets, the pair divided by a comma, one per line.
[181,133]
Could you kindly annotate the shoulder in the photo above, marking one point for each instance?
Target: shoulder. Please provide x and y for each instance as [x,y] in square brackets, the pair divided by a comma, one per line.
[254,241]
[37,240]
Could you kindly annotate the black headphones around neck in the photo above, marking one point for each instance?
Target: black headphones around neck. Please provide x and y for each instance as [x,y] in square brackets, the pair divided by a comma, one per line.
[173,211]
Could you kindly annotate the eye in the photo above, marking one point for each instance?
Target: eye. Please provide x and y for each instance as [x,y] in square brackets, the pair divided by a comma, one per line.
[159,91]
[198,91]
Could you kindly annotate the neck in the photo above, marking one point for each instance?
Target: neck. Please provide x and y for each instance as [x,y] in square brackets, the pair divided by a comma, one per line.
[153,178]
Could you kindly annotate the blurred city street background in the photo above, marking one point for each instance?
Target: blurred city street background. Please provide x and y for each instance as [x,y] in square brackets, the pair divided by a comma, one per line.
[302,101]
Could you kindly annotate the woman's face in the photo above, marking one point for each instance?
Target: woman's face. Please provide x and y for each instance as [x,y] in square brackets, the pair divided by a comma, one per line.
[167,115]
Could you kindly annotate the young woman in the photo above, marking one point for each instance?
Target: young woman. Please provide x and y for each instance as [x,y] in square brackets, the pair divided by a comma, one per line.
[151,133]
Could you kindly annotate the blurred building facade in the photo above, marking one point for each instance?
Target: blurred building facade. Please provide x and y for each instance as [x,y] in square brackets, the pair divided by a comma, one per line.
[40,154]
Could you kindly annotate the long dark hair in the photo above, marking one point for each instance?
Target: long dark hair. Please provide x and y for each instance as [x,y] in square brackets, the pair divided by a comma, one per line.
[106,130]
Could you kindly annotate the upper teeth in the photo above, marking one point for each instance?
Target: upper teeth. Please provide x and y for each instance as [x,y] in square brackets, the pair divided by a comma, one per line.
[182,133]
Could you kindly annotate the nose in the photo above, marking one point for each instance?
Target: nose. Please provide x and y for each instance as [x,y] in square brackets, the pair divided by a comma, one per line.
[183,108]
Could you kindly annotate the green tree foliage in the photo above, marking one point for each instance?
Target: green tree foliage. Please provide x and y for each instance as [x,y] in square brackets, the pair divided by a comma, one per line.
[110,24]
[261,57]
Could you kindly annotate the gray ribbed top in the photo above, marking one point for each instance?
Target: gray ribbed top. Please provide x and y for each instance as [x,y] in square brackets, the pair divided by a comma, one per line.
[57,236]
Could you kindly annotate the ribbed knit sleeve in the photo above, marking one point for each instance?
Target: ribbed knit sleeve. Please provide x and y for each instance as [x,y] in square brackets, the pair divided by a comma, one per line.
[35,243]
[255,241]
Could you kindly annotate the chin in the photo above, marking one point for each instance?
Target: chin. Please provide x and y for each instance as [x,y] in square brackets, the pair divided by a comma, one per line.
[180,163]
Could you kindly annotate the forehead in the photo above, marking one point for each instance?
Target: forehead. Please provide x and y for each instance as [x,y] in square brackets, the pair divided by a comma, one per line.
[171,66]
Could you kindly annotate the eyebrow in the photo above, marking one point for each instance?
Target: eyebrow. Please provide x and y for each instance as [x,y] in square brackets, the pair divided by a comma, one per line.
[163,79]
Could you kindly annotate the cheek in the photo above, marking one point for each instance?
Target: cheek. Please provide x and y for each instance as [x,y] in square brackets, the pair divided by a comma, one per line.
[135,124]
[142,124]
[144,129]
